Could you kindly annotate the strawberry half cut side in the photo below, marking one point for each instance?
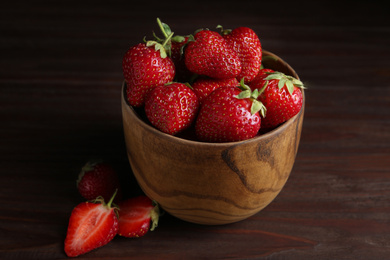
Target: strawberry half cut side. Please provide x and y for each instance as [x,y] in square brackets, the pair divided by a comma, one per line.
[91,225]
[137,216]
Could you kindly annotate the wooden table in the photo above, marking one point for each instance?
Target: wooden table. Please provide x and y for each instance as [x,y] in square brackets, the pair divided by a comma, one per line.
[60,79]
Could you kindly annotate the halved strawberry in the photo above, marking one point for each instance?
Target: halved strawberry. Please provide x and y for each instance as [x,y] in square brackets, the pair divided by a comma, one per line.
[91,225]
[135,216]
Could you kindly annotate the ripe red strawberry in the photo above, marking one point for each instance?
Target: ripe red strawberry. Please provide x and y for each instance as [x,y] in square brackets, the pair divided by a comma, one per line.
[135,216]
[177,56]
[98,179]
[91,225]
[246,43]
[171,108]
[227,115]
[204,86]
[281,95]
[145,66]
[210,55]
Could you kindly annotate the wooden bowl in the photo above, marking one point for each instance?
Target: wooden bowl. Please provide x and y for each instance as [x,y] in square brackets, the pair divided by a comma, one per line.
[212,183]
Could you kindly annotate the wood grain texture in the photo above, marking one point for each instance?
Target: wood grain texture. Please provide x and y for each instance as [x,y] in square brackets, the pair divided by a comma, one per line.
[60,78]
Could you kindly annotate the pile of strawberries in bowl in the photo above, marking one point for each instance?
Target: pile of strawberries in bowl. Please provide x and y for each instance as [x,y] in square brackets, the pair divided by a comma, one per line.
[211,87]
[210,83]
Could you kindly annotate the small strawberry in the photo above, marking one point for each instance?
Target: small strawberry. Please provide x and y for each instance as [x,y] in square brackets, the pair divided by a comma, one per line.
[210,55]
[229,114]
[91,225]
[98,179]
[281,95]
[171,108]
[145,66]
[246,43]
[204,86]
[135,216]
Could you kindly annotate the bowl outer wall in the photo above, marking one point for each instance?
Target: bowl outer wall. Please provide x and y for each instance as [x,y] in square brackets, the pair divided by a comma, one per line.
[212,183]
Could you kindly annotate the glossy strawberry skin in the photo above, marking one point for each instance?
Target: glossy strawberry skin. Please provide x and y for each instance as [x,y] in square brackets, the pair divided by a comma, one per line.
[211,56]
[144,69]
[136,215]
[246,43]
[98,179]
[171,108]
[225,118]
[280,104]
[204,86]
[91,225]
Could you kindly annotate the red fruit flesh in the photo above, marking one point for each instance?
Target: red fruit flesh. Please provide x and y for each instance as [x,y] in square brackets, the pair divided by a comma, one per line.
[90,226]
[136,215]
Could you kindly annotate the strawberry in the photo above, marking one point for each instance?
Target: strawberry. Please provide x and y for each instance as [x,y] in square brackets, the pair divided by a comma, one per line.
[280,94]
[210,55]
[145,66]
[135,216]
[91,225]
[177,56]
[98,179]
[204,86]
[171,108]
[246,43]
[229,114]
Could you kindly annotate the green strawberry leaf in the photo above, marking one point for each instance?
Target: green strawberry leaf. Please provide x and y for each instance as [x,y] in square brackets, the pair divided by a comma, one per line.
[224,31]
[290,87]
[258,106]
[283,79]
[274,75]
[178,38]
[244,94]
[281,83]
[157,47]
[255,94]
[164,28]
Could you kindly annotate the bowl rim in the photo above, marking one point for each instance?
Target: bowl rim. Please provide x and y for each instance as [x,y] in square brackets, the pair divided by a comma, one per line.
[274,132]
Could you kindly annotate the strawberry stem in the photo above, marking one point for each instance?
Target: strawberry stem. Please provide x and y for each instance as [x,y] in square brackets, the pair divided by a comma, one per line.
[112,199]
[164,28]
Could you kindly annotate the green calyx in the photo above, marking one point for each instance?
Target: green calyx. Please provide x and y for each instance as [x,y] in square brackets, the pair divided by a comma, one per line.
[164,45]
[284,79]
[224,31]
[246,92]
[154,216]
[110,203]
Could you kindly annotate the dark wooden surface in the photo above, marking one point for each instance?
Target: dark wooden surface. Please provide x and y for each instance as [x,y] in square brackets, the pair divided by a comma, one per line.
[60,79]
